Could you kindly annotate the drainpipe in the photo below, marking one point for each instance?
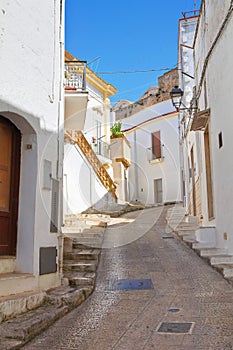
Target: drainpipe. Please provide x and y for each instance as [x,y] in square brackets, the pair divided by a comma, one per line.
[135,165]
[59,173]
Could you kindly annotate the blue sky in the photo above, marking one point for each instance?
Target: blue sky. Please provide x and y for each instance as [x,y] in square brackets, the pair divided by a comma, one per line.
[127,36]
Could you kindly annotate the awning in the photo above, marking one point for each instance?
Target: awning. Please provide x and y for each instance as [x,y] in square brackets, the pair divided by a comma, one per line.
[200,120]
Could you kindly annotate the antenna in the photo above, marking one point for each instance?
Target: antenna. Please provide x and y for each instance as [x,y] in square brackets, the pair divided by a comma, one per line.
[195,6]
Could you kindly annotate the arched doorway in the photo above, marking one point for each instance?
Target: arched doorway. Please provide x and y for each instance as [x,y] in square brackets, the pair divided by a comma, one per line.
[10,142]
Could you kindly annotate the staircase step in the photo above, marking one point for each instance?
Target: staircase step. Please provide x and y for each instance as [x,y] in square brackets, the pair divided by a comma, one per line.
[191,218]
[80,266]
[88,244]
[81,278]
[186,227]
[203,245]
[189,239]
[14,305]
[221,259]
[15,282]
[82,254]
[186,232]
[210,252]
[225,269]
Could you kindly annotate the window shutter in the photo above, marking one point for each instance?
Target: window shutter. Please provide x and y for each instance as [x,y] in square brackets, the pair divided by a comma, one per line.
[156,144]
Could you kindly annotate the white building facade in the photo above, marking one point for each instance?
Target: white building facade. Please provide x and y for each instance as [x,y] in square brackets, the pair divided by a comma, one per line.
[208,132]
[154,175]
[88,171]
[31,122]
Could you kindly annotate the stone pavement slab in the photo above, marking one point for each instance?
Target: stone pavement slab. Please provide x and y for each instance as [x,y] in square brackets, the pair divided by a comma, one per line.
[129,319]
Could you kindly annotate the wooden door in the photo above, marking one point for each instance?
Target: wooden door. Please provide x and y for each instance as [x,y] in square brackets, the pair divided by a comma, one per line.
[193,183]
[158,190]
[208,174]
[10,139]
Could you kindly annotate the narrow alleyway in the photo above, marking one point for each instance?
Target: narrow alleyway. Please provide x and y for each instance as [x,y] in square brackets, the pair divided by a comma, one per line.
[171,299]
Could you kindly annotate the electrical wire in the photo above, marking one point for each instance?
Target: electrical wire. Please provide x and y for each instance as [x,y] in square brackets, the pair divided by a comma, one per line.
[135,71]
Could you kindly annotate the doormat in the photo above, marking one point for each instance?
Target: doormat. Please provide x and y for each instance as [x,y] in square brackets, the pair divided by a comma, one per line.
[175,327]
[138,284]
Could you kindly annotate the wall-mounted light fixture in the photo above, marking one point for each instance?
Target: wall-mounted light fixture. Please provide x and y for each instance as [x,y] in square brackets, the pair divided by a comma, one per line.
[176,96]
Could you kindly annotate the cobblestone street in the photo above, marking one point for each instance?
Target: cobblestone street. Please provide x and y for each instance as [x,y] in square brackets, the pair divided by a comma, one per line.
[171,299]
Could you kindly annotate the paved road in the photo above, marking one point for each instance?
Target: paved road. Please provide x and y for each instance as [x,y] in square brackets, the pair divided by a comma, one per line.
[184,289]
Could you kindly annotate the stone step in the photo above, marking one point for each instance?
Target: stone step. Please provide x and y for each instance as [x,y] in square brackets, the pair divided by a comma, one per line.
[203,245]
[186,232]
[18,331]
[7,264]
[225,269]
[14,305]
[80,266]
[15,282]
[68,230]
[191,219]
[210,252]
[187,227]
[189,239]
[82,254]
[87,243]
[221,259]
[81,278]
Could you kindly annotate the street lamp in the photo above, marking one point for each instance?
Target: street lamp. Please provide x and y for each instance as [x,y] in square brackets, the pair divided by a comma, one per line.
[176,96]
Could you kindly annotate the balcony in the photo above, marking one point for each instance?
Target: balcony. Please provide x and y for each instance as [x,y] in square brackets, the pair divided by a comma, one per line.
[151,155]
[102,149]
[76,96]
[200,120]
[120,150]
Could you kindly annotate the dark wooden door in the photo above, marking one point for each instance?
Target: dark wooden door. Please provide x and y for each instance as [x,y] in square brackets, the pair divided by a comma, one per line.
[10,140]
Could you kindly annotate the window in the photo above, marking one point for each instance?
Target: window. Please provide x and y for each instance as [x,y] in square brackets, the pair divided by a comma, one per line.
[156,145]
[220,141]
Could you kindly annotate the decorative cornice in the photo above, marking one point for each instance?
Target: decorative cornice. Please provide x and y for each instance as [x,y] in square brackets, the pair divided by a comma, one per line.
[94,79]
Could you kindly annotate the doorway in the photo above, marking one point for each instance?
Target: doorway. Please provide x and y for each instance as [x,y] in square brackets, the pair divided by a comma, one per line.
[208,174]
[158,191]
[193,183]
[10,141]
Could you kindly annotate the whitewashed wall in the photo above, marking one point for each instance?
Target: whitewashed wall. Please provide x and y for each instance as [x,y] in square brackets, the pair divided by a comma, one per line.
[218,76]
[82,187]
[187,28]
[142,173]
[31,97]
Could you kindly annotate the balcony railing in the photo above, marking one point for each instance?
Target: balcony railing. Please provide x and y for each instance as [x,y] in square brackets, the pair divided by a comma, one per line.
[102,148]
[75,76]
[151,155]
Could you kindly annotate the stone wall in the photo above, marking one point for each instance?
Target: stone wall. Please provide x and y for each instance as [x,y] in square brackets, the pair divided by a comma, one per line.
[152,96]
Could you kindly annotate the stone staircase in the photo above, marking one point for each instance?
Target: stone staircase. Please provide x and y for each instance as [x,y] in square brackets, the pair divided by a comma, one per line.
[78,138]
[25,315]
[83,237]
[201,239]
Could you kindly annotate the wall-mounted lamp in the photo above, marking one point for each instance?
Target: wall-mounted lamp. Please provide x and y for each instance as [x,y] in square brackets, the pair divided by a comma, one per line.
[176,96]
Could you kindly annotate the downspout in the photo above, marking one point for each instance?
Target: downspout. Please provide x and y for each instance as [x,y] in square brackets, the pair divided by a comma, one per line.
[135,165]
[59,173]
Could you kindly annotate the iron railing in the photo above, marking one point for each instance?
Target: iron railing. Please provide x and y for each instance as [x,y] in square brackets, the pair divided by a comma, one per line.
[151,155]
[75,75]
[102,148]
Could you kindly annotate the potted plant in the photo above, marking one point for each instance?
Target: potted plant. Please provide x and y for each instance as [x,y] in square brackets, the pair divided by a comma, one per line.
[116,130]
